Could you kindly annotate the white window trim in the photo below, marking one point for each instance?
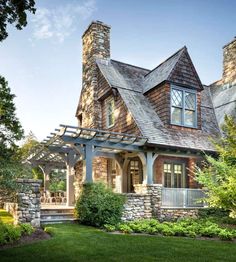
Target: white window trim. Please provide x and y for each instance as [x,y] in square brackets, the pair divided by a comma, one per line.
[107,115]
[183,107]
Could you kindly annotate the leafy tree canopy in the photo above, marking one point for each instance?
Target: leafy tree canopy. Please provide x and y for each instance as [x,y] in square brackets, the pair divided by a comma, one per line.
[10,127]
[219,177]
[14,12]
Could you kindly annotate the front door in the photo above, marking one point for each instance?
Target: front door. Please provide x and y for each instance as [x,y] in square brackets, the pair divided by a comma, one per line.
[135,174]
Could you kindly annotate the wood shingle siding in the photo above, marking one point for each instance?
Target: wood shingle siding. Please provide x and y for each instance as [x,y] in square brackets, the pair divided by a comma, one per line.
[124,122]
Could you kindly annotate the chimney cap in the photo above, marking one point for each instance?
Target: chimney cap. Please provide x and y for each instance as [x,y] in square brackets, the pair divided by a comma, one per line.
[230,42]
[95,22]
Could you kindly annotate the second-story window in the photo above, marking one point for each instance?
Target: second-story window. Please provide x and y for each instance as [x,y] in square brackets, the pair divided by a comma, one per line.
[183,107]
[110,108]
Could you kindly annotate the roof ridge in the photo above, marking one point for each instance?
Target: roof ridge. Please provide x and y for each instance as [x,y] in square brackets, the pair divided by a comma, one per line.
[129,64]
[180,50]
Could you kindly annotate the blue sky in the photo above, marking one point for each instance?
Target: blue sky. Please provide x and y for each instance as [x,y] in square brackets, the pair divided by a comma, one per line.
[42,63]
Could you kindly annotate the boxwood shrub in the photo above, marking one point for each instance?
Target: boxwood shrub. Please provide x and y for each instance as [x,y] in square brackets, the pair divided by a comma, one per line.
[98,205]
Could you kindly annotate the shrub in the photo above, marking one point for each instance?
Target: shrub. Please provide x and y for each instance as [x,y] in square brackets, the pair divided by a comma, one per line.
[98,205]
[125,229]
[50,231]
[226,235]
[109,228]
[9,233]
[27,229]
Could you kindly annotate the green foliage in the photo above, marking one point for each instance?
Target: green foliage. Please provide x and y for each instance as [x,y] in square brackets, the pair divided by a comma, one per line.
[10,132]
[50,231]
[14,12]
[219,177]
[124,228]
[109,228]
[57,180]
[98,205]
[226,235]
[11,129]
[27,229]
[186,228]
[9,233]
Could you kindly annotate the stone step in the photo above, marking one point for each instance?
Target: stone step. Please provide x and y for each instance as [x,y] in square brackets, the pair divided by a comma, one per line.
[57,211]
[56,221]
[57,216]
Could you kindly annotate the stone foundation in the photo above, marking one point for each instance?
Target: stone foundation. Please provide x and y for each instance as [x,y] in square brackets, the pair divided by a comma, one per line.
[168,214]
[146,203]
[27,208]
[137,206]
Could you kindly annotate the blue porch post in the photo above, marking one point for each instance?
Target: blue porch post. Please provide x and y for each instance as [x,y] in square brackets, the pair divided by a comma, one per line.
[149,168]
[89,163]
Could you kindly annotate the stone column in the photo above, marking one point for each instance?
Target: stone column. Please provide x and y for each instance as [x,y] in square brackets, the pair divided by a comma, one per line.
[27,208]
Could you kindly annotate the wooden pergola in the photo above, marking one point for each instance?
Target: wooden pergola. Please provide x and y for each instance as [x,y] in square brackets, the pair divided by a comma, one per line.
[69,144]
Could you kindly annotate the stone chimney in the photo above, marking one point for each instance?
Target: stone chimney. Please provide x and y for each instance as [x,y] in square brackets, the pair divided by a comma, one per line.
[229,63]
[96,44]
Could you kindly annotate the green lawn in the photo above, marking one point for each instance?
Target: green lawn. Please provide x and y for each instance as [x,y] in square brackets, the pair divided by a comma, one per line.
[74,242]
[5,217]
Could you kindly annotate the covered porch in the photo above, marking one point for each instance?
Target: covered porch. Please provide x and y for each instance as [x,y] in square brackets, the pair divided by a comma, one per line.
[124,162]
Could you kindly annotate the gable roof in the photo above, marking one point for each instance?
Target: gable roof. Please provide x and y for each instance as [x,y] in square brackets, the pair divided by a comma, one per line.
[177,68]
[132,82]
[162,71]
[122,75]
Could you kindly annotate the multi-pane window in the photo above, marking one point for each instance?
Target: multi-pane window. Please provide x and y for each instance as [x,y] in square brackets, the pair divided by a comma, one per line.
[183,107]
[110,113]
[174,175]
[134,172]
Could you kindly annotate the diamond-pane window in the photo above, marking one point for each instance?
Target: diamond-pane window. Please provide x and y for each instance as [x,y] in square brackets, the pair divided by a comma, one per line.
[190,100]
[183,107]
[177,98]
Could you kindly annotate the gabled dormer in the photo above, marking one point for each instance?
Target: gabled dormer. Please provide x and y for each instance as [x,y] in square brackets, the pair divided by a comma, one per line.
[174,90]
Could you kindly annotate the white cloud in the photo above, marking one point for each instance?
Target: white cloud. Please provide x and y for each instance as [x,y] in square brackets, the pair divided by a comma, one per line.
[60,22]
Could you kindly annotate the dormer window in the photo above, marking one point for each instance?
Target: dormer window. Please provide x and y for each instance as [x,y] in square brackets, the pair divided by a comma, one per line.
[110,110]
[183,107]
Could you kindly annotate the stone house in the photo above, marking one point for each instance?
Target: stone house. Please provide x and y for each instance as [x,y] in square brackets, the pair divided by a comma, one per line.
[141,131]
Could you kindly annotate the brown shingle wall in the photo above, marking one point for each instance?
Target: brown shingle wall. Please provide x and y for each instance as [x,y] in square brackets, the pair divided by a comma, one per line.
[159,98]
[184,73]
[124,123]
[103,86]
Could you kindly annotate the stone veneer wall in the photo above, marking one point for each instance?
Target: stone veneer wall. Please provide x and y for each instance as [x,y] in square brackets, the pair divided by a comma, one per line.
[137,206]
[229,64]
[27,207]
[146,203]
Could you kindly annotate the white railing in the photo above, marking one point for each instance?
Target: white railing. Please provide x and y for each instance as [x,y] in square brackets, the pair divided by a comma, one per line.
[182,197]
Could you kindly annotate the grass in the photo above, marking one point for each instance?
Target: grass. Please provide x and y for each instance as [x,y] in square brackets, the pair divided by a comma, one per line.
[5,217]
[73,242]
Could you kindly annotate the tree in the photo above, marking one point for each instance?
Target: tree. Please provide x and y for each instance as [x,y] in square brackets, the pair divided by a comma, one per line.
[10,132]
[14,12]
[10,127]
[219,176]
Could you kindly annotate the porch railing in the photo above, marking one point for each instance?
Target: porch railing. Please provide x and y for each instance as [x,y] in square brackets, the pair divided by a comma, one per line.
[182,197]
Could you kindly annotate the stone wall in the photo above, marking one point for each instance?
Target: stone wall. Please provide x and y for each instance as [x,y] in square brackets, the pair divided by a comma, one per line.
[137,206]
[146,203]
[229,64]
[168,214]
[27,208]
